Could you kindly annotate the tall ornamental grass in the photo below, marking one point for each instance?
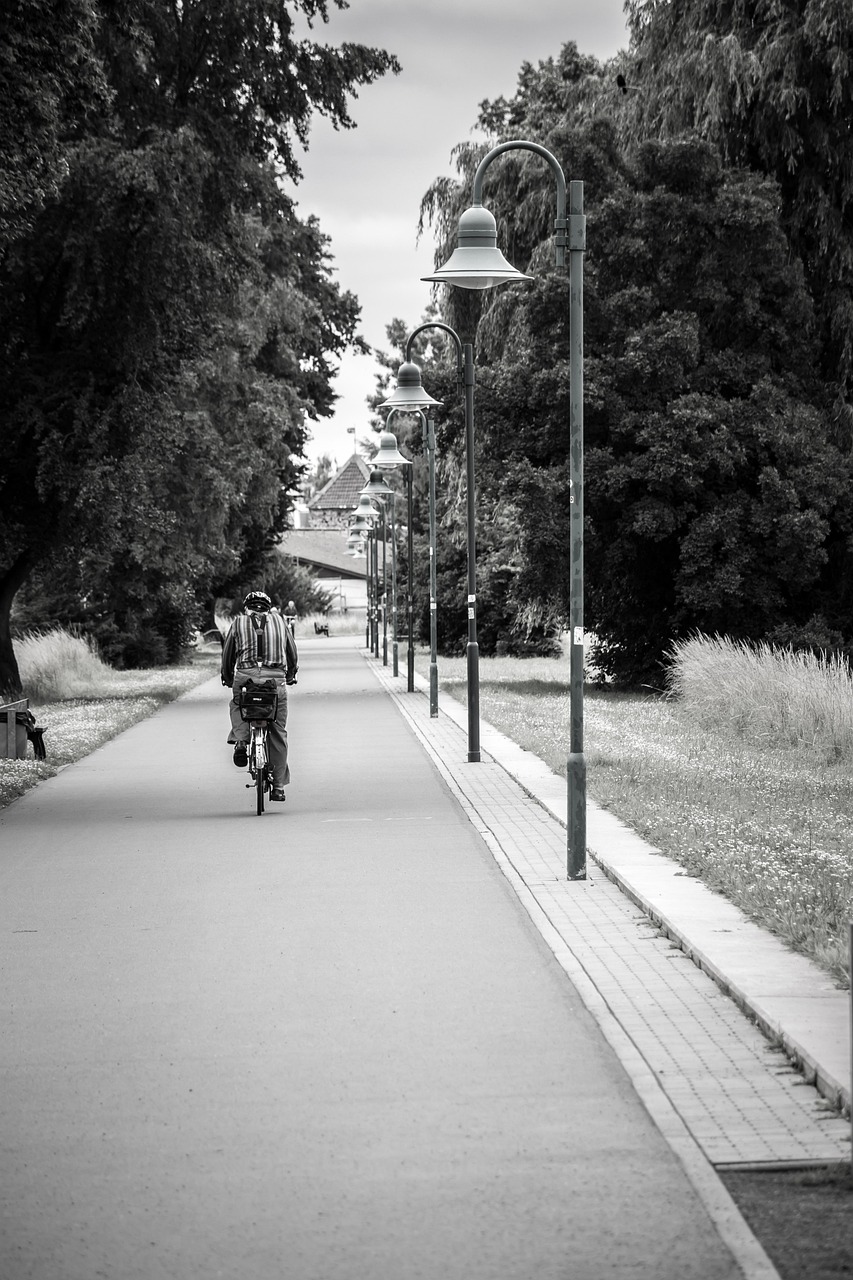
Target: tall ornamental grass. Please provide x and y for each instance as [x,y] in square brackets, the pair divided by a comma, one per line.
[766,695]
[56,665]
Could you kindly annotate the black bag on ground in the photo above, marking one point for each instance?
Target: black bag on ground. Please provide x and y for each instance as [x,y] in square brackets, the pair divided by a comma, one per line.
[258,700]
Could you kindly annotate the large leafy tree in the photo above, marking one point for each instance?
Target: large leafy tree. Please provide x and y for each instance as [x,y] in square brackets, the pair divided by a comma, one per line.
[167,319]
[714,493]
[768,83]
[51,81]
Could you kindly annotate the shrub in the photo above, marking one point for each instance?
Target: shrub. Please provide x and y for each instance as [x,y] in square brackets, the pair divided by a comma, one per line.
[779,697]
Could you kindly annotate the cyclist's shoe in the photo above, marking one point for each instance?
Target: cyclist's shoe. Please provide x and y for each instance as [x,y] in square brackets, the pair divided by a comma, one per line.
[277,793]
[241,755]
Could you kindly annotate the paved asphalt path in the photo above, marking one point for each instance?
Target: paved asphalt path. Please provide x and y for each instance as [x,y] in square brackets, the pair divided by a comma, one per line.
[324,1044]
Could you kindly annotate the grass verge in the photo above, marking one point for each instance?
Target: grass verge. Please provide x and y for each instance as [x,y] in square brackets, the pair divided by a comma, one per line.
[768,826]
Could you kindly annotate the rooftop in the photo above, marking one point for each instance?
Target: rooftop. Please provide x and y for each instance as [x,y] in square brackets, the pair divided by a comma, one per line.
[342,492]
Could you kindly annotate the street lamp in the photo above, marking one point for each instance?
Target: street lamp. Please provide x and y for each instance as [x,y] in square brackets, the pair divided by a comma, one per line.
[477,263]
[364,526]
[366,509]
[388,456]
[378,488]
[428,425]
[409,394]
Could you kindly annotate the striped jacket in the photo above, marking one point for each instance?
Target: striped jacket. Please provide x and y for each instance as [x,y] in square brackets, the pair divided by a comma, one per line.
[241,645]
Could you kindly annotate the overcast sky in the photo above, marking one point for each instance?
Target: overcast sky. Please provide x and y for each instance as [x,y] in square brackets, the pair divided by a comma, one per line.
[365,184]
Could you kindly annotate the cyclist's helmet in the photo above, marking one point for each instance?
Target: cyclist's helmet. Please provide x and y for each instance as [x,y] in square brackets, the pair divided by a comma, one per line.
[257,602]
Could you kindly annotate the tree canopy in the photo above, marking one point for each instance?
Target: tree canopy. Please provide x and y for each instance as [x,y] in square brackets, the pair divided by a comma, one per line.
[169,323]
[716,482]
[768,83]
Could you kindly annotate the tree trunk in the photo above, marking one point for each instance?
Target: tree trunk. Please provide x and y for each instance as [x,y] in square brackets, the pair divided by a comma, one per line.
[10,583]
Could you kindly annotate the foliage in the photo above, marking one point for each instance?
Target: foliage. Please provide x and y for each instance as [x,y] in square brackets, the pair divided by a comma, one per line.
[168,321]
[768,83]
[319,476]
[714,496]
[50,80]
[283,581]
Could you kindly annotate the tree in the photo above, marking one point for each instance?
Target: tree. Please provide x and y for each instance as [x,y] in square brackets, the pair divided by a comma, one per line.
[50,80]
[168,321]
[713,491]
[767,82]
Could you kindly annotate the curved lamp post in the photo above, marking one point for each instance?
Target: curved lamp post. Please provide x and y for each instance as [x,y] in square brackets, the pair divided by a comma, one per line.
[389,457]
[477,263]
[429,445]
[378,489]
[409,394]
[356,548]
[366,518]
[366,509]
[360,537]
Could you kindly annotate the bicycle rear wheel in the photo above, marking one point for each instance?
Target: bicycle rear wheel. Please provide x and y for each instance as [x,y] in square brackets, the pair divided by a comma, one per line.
[258,764]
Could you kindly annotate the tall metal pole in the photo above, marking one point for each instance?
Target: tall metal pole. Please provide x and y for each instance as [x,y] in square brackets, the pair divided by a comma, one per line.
[410,598]
[576,768]
[472,652]
[465,366]
[429,439]
[384,592]
[395,665]
[376,591]
[368,584]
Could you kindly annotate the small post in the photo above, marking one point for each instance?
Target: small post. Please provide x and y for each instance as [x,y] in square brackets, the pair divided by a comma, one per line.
[850,960]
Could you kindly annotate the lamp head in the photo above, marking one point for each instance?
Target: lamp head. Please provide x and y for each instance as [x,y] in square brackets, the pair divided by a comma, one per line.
[477,262]
[409,392]
[365,508]
[389,455]
[377,486]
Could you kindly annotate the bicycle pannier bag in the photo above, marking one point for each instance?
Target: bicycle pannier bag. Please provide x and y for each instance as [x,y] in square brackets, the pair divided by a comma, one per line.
[258,700]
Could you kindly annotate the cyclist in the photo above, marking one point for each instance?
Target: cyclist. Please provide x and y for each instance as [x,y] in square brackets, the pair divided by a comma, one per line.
[290,616]
[259,646]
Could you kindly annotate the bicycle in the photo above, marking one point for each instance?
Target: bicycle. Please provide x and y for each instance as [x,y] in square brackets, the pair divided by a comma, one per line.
[258,706]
